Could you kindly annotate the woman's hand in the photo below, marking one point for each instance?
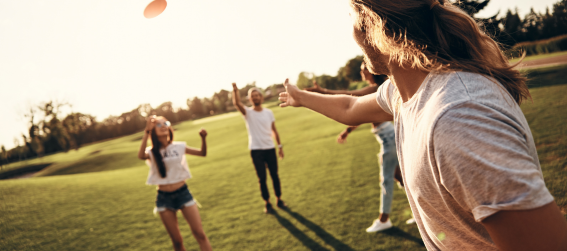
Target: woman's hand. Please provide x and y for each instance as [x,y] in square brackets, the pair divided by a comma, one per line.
[315,88]
[291,95]
[150,123]
[342,137]
[203,133]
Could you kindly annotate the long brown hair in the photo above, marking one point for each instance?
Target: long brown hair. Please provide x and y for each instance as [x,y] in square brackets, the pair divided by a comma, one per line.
[431,35]
[156,145]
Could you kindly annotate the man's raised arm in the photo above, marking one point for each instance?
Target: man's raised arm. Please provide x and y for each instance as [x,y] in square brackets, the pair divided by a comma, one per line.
[236,99]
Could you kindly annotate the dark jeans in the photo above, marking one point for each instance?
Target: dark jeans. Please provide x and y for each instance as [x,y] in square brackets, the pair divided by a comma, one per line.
[261,159]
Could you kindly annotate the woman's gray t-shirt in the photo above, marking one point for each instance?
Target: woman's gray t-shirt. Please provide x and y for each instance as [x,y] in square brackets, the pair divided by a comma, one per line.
[466,152]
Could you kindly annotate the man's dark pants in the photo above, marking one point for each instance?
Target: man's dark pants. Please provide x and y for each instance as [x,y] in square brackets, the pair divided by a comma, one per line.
[261,159]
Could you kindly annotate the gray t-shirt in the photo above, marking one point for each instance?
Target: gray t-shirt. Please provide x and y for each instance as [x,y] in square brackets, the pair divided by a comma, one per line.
[466,152]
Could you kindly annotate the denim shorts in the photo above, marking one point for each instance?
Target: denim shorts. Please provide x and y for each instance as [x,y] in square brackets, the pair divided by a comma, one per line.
[175,200]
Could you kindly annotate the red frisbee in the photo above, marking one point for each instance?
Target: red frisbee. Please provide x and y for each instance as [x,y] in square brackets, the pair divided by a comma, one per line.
[155,8]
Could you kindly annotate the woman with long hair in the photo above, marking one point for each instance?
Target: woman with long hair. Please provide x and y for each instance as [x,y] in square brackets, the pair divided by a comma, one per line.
[169,170]
[468,158]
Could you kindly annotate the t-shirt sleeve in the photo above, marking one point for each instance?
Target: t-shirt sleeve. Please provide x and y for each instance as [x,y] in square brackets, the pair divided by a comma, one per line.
[384,95]
[484,161]
[181,145]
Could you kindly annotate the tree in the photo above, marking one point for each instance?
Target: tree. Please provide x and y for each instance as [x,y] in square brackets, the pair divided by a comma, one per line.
[3,156]
[471,7]
[196,108]
[304,80]
[208,107]
[78,126]
[351,71]
[560,17]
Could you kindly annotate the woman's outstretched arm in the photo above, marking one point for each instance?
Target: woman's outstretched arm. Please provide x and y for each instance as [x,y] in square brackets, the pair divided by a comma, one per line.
[342,108]
[203,150]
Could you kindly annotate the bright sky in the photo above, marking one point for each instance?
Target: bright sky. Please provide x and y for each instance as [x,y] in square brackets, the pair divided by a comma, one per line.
[105,58]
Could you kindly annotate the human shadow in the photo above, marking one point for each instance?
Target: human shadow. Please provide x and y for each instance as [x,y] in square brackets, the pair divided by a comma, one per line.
[396,232]
[324,235]
[306,240]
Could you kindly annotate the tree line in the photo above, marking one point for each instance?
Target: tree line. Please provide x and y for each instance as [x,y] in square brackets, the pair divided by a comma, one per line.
[49,131]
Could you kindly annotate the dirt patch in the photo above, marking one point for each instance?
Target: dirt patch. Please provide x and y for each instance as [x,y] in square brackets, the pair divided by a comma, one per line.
[551,61]
[95,152]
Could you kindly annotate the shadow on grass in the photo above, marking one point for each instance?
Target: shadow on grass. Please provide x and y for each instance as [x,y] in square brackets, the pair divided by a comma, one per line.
[547,76]
[308,242]
[324,235]
[396,232]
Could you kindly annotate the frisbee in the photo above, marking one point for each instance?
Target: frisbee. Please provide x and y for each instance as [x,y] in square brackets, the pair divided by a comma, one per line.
[155,8]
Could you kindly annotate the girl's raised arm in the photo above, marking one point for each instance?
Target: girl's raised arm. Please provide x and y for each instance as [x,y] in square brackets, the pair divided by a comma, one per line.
[203,150]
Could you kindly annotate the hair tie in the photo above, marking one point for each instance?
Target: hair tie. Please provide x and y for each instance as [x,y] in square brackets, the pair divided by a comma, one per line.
[435,3]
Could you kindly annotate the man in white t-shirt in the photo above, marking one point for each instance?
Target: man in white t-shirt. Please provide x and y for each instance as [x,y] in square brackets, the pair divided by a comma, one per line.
[468,159]
[260,123]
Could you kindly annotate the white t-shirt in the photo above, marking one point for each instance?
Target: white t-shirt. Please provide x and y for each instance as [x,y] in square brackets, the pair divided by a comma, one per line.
[259,125]
[466,152]
[176,168]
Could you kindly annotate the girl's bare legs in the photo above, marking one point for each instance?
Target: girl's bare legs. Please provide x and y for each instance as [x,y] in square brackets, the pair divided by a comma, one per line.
[169,219]
[192,217]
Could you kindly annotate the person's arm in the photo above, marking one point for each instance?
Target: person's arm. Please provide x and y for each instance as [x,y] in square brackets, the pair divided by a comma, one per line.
[345,109]
[150,123]
[236,99]
[203,150]
[344,134]
[543,228]
[360,92]
[277,136]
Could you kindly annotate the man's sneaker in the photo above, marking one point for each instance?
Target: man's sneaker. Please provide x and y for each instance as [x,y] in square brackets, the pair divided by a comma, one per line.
[281,204]
[377,225]
[268,209]
[410,221]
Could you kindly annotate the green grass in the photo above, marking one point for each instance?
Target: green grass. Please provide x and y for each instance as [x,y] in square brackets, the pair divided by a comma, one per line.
[332,190]
[540,56]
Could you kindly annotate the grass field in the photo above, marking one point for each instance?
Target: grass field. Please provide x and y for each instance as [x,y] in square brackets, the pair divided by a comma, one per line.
[540,56]
[101,203]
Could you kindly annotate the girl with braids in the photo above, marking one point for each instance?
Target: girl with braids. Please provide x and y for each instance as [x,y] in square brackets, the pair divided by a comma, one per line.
[467,156]
[169,170]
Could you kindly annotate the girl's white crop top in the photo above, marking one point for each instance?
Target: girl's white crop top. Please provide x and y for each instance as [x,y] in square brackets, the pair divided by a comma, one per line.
[175,165]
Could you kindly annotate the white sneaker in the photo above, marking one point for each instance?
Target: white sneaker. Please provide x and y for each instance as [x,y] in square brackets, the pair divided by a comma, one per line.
[379,226]
[410,221]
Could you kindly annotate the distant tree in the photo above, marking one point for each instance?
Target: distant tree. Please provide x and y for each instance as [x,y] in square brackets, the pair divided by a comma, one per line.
[333,83]
[560,17]
[196,108]
[220,100]
[208,107]
[78,126]
[532,25]
[166,110]
[351,71]
[3,156]
[304,80]
[471,7]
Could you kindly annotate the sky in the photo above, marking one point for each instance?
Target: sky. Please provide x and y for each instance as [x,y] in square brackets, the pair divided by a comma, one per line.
[105,58]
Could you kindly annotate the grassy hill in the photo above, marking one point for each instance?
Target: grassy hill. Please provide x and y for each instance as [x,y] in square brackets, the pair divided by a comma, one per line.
[102,203]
